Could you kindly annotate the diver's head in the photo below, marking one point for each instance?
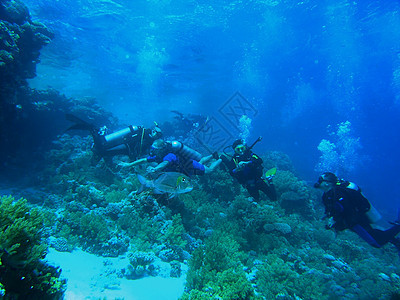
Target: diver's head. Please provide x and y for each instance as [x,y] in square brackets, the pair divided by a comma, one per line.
[158,147]
[239,146]
[326,181]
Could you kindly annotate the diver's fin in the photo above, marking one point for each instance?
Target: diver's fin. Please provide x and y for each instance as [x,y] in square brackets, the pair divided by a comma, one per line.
[141,179]
[79,123]
[157,192]
[78,127]
[398,215]
[172,195]
[145,182]
[270,172]
[397,221]
[177,112]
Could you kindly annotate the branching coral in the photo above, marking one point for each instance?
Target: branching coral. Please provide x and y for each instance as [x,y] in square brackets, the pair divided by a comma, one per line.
[22,271]
[175,232]
[140,264]
[216,271]
[277,277]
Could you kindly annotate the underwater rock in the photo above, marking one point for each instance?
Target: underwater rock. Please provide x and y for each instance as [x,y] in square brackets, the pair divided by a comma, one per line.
[97,195]
[176,270]
[329,257]
[395,278]
[115,246]
[14,11]
[140,264]
[60,244]
[113,210]
[337,290]
[341,265]
[168,255]
[281,227]
[20,42]
[292,196]
[384,277]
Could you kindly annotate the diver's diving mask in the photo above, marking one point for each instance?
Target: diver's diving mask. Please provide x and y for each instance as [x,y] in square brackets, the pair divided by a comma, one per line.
[240,149]
[322,179]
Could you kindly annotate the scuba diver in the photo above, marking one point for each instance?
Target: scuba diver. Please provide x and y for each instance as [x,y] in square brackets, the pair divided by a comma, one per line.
[247,168]
[190,121]
[184,126]
[176,157]
[134,141]
[347,208]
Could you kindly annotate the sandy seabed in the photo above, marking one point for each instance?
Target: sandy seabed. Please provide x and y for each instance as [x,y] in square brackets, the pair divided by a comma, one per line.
[94,277]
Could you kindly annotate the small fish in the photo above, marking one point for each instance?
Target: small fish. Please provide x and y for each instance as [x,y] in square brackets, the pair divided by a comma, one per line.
[270,172]
[172,183]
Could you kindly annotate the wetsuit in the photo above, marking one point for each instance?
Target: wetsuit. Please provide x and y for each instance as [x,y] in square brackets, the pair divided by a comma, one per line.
[180,159]
[348,207]
[179,164]
[250,176]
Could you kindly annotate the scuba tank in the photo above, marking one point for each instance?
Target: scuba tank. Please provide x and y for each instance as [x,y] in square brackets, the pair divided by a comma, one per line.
[373,215]
[184,151]
[118,138]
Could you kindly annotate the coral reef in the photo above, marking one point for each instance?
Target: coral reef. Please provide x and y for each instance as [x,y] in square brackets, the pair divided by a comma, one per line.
[23,273]
[140,264]
[235,248]
[24,112]
[216,271]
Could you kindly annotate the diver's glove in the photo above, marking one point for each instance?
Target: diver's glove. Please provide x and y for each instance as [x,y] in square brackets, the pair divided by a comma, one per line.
[215,155]
[151,170]
[330,224]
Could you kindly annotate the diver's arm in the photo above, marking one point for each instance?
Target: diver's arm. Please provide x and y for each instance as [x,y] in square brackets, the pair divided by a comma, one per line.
[159,167]
[242,164]
[135,163]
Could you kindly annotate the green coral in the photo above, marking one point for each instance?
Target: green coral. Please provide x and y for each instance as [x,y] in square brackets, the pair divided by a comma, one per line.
[229,284]
[175,232]
[93,230]
[140,264]
[22,272]
[140,227]
[277,277]
[216,271]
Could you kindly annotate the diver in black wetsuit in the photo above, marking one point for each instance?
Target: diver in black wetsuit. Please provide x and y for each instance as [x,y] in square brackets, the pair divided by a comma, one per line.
[134,141]
[247,168]
[347,207]
[184,126]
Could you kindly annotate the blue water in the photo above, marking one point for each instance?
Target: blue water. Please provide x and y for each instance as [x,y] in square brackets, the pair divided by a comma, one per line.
[302,65]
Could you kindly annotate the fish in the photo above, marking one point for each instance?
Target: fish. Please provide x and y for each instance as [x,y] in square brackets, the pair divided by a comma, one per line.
[269,175]
[172,183]
[270,172]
